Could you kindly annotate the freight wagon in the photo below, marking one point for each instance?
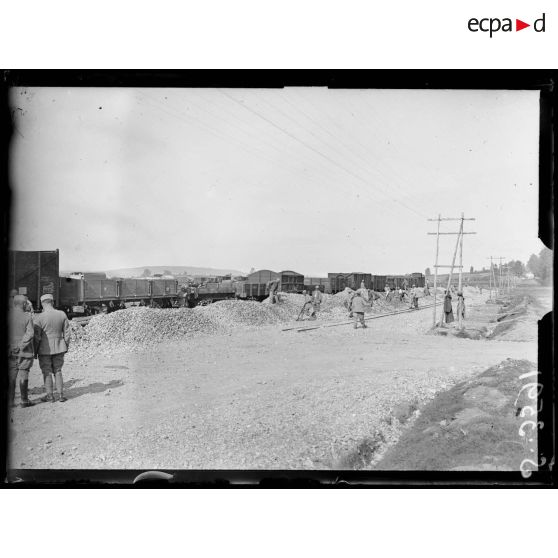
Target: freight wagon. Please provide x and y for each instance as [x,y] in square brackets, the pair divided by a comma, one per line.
[255,285]
[340,281]
[379,282]
[405,281]
[354,280]
[337,282]
[37,273]
[291,282]
[310,283]
[417,279]
[215,290]
[34,274]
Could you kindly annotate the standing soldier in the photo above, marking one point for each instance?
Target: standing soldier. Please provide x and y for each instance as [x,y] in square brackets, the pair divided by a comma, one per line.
[317,298]
[20,357]
[352,295]
[273,286]
[448,310]
[460,308]
[13,293]
[28,306]
[358,307]
[52,338]
[414,297]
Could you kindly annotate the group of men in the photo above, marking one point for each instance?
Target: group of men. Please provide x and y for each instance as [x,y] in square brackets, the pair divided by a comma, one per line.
[401,293]
[312,303]
[44,336]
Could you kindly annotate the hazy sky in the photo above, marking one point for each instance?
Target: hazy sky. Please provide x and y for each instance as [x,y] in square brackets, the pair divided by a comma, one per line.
[309,179]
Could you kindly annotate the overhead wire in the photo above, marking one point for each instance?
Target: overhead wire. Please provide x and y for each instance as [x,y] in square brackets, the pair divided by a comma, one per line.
[329,159]
[221,136]
[247,147]
[390,180]
[356,156]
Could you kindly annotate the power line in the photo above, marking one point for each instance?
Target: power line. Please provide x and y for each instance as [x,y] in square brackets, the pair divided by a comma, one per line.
[313,149]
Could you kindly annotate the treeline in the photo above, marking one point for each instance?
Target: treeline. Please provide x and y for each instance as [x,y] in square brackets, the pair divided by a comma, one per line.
[541,266]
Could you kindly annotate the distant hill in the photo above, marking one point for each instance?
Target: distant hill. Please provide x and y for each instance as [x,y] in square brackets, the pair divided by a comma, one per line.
[175,269]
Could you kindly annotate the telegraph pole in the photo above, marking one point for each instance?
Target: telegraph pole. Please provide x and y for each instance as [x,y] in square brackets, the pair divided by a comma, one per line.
[490,278]
[498,284]
[459,243]
[436,270]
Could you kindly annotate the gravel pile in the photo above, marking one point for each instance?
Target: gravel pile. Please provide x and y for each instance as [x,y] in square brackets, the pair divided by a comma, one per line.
[139,327]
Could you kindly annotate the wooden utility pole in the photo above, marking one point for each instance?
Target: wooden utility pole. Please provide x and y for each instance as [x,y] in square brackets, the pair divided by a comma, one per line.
[457,244]
[436,271]
[498,284]
[490,278]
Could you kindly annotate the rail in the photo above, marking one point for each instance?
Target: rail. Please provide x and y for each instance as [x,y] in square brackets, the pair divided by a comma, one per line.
[308,328]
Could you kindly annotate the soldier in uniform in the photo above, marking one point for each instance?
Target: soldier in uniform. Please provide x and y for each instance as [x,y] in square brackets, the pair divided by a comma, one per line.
[52,339]
[13,293]
[20,346]
[357,308]
[317,298]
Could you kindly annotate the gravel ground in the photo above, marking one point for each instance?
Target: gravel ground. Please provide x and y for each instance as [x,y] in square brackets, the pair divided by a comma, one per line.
[240,395]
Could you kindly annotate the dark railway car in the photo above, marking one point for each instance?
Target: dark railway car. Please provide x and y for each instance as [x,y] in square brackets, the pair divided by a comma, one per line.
[261,277]
[131,289]
[337,282]
[322,283]
[217,290]
[379,282]
[394,281]
[163,288]
[100,289]
[417,279]
[34,274]
[87,290]
[291,282]
[354,280]
[255,285]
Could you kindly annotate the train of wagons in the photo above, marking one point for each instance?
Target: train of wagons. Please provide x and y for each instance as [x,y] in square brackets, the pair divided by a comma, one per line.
[35,273]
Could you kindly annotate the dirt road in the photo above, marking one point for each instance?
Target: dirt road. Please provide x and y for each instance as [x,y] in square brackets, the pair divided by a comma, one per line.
[254,398]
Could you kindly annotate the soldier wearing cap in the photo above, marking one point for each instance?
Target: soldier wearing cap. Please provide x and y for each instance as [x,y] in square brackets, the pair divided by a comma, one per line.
[13,293]
[52,338]
[20,349]
[357,309]
[317,298]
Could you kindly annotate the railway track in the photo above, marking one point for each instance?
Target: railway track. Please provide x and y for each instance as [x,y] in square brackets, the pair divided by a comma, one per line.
[309,328]
[82,320]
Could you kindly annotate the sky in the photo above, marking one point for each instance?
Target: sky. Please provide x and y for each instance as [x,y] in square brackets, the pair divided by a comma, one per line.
[305,179]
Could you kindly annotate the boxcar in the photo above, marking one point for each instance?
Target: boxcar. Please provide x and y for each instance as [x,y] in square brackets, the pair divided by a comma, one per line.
[255,285]
[378,282]
[291,282]
[417,279]
[337,282]
[310,283]
[354,280]
[34,274]
[263,276]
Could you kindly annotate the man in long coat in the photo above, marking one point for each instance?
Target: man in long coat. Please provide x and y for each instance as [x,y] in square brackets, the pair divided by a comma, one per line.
[20,349]
[52,339]
[448,309]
